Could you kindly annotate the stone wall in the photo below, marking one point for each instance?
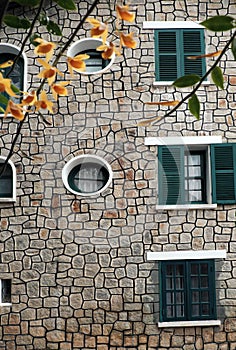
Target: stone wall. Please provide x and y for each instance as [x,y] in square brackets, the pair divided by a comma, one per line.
[80,277]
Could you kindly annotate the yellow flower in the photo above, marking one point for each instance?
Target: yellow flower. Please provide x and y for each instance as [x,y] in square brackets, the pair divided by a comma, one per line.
[43,102]
[6,64]
[108,51]
[127,40]
[15,110]
[59,89]
[99,29]
[30,99]
[123,13]
[77,63]
[5,86]
[44,48]
[49,72]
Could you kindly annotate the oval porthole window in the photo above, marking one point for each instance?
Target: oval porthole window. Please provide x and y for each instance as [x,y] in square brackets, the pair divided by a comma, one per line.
[95,64]
[87,175]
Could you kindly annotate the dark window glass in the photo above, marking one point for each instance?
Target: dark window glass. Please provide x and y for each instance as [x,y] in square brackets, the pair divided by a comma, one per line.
[6,181]
[187,290]
[88,177]
[95,63]
[6,291]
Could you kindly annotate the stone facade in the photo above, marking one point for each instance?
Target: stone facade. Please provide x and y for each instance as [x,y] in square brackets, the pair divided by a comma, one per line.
[80,277]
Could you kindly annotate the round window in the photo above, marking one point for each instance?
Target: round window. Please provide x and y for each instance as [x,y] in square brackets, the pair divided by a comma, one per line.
[87,175]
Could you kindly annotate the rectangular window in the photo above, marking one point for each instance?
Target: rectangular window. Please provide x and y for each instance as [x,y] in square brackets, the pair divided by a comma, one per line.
[185,175]
[172,49]
[187,290]
[5,291]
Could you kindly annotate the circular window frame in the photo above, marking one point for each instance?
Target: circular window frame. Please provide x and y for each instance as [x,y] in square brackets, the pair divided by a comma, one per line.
[75,162]
[84,45]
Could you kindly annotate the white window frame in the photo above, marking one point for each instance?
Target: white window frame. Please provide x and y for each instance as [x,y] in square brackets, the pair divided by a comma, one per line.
[173,25]
[193,142]
[13,49]
[187,255]
[1,302]
[13,198]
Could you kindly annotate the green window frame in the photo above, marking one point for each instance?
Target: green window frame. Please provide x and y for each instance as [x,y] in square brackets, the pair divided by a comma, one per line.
[172,175]
[172,48]
[17,75]
[187,290]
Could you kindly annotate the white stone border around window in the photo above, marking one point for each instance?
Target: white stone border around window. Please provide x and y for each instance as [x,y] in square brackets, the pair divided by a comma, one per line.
[13,49]
[186,255]
[72,163]
[88,44]
[13,198]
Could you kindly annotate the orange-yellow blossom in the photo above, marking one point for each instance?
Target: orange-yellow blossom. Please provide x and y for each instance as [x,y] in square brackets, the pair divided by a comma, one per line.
[49,72]
[43,102]
[99,29]
[45,48]
[6,64]
[127,40]
[163,103]
[15,110]
[77,63]
[108,51]
[5,86]
[123,13]
[212,54]
[59,89]
[30,99]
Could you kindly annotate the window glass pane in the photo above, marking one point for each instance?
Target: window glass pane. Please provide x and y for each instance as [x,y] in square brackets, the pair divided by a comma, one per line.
[195,310]
[194,159]
[6,291]
[194,171]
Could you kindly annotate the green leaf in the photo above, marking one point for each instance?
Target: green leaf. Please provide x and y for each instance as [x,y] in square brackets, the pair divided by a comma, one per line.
[217,77]
[53,28]
[43,19]
[30,3]
[66,4]
[32,39]
[16,22]
[233,48]
[187,80]
[15,89]
[3,100]
[194,106]
[219,23]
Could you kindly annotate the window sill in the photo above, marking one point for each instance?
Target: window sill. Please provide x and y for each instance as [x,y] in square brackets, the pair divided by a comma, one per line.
[170,83]
[5,304]
[186,206]
[201,323]
[7,200]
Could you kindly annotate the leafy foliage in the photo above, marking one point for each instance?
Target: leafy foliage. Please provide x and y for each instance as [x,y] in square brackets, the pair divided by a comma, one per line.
[187,80]
[219,23]
[217,77]
[16,22]
[194,106]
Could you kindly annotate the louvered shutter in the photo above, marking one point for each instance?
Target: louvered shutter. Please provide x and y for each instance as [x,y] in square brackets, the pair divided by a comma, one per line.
[223,161]
[166,55]
[193,45]
[171,175]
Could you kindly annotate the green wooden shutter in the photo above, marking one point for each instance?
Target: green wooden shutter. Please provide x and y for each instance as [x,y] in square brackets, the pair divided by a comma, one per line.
[223,162]
[171,174]
[193,45]
[166,55]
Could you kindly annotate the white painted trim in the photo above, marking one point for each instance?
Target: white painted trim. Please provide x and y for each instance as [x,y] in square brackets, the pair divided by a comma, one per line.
[202,323]
[182,140]
[186,206]
[5,304]
[88,44]
[10,48]
[13,198]
[72,163]
[186,255]
[171,25]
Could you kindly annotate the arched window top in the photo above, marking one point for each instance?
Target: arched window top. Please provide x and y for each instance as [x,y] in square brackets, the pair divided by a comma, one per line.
[19,73]
[7,181]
